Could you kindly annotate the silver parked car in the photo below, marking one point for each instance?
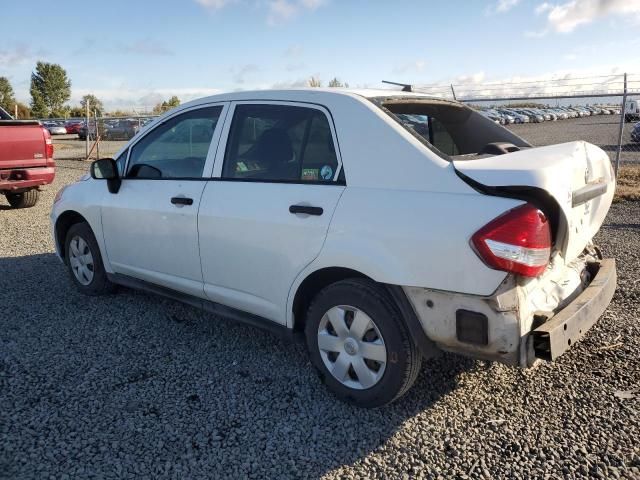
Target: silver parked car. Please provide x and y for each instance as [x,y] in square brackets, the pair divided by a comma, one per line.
[55,128]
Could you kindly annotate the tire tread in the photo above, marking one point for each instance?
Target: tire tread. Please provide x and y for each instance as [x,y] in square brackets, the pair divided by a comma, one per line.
[368,288]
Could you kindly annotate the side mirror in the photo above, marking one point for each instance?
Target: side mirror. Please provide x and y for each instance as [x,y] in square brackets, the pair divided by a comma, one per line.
[106,169]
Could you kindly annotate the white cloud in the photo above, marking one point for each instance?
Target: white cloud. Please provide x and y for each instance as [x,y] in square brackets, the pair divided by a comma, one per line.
[139,99]
[214,4]
[500,6]
[16,55]
[567,16]
[415,66]
[240,73]
[597,79]
[506,5]
[278,11]
[283,11]
[313,4]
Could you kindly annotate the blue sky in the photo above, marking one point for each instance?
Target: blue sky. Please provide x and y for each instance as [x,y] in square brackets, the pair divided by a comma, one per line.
[134,53]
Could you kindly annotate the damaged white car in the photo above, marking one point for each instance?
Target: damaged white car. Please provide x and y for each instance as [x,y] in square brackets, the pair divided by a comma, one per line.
[379,226]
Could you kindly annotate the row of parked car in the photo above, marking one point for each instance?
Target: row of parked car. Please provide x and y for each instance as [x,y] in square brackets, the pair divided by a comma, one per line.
[108,129]
[507,116]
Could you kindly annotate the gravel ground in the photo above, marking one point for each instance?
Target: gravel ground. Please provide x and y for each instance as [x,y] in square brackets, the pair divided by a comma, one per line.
[135,386]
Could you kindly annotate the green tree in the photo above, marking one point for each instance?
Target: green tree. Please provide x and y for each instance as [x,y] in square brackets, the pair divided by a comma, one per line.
[94,104]
[314,82]
[335,83]
[50,89]
[166,105]
[78,112]
[24,111]
[7,98]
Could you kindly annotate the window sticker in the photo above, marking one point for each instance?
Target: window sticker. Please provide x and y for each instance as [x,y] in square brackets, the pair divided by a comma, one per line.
[309,174]
[326,172]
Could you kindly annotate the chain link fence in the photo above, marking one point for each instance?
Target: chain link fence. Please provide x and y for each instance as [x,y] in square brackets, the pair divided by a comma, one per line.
[603,110]
[94,136]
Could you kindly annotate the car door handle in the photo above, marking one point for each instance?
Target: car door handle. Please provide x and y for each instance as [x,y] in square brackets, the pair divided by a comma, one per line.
[309,210]
[182,201]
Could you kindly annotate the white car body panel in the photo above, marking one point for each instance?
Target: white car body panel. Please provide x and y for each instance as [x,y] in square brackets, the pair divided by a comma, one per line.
[274,244]
[405,218]
[561,170]
[165,250]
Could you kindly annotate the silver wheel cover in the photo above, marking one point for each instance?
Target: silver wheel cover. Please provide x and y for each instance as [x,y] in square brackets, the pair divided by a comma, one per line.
[81,260]
[352,347]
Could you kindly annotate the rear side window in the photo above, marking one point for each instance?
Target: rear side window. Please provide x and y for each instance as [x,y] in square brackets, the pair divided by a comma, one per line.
[280,143]
[176,148]
[448,128]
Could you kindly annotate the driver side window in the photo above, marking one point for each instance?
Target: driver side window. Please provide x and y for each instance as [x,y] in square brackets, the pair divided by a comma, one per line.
[176,148]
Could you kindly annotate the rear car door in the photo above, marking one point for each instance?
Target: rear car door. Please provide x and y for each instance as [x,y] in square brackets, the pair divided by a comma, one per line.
[265,214]
[150,226]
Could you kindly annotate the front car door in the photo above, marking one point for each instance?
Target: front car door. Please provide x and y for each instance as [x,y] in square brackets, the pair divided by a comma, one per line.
[150,226]
[265,214]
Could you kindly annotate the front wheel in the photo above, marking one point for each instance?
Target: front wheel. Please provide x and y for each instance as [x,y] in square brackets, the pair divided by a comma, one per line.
[83,259]
[360,344]
[23,199]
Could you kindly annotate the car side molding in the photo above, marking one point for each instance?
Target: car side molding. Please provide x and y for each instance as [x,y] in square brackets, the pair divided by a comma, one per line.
[223,311]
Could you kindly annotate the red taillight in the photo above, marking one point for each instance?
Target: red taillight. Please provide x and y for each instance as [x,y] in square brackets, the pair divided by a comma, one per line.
[518,241]
[48,143]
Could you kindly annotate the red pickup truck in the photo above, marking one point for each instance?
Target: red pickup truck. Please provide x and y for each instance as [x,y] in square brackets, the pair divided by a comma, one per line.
[26,160]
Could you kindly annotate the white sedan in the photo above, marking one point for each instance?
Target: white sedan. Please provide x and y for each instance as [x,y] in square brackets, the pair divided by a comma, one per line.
[381,227]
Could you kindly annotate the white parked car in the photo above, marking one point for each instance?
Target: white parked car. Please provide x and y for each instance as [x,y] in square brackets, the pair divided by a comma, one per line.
[381,227]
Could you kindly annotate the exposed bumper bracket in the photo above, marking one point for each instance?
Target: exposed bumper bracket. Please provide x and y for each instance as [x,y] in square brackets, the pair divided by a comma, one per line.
[553,338]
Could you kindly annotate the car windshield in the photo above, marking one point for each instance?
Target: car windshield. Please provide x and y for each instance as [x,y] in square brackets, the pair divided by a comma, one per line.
[448,128]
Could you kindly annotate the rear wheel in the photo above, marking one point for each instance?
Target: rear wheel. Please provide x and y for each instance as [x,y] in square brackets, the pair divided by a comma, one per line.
[360,344]
[23,199]
[82,256]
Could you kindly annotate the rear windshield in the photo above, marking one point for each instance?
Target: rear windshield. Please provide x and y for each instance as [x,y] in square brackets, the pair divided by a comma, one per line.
[450,129]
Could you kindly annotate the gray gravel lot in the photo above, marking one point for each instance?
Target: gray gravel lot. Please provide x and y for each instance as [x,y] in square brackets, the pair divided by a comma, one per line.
[136,386]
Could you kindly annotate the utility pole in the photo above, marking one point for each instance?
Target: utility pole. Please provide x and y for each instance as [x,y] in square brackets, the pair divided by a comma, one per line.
[86,140]
[621,129]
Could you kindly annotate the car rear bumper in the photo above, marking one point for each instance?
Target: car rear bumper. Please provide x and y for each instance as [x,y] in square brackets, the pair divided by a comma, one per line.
[555,336]
[506,325]
[17,179]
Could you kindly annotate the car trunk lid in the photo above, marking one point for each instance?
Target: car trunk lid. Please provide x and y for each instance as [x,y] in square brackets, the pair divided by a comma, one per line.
[577,175]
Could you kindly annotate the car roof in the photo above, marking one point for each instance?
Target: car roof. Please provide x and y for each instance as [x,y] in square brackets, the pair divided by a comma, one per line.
[305,94]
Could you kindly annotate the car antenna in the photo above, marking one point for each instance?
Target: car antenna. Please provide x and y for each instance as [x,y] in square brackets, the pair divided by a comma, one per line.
[405,86]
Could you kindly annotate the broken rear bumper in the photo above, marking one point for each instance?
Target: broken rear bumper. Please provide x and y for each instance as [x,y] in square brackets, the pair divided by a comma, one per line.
[555,336]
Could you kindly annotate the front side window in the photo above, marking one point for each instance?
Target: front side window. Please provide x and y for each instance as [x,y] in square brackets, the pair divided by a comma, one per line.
[121,162]
[280,143]
[176,148]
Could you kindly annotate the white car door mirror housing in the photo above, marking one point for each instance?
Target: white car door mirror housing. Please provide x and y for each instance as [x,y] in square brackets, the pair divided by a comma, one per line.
[106,169]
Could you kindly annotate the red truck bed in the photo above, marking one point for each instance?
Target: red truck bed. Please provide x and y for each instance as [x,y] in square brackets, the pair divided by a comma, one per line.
[26,158]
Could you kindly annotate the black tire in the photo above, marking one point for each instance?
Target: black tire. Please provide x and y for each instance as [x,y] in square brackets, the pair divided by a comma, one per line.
[100,284]
[23,199]
[403,356]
